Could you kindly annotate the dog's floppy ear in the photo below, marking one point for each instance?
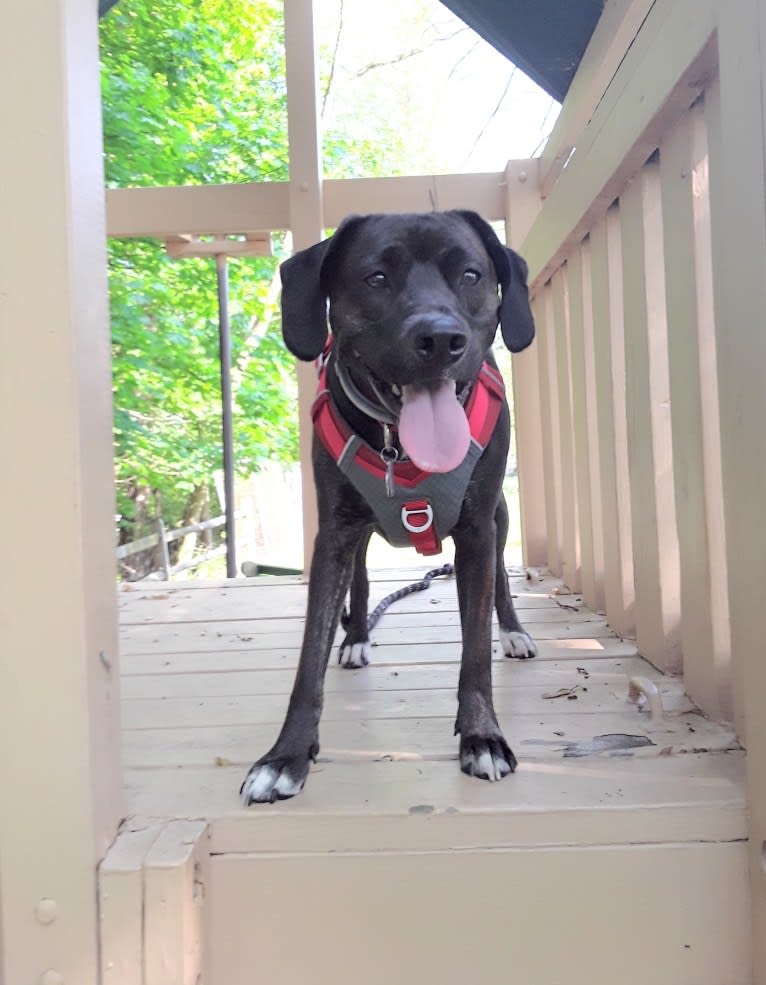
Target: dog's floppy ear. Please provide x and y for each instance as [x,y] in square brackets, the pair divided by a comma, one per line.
[304,304]
[516,321]
[304,295]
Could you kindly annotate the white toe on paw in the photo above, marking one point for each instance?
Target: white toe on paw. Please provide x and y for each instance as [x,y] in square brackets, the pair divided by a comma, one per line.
[286,786]
[258,785]
[356,655]
[264,784]
[491,766]
[516,644]
[486,764]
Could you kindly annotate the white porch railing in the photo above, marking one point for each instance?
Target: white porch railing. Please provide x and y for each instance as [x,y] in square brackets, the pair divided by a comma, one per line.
[641,408]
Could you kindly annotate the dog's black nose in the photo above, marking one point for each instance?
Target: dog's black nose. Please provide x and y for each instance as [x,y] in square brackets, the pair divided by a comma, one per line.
[438,339]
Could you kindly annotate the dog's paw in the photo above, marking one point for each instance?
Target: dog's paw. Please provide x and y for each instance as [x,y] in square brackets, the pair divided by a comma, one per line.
[517,644]
[353,655]
[486,758]
[273,779]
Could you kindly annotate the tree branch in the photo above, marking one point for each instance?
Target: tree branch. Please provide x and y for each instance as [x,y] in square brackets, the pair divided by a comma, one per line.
[404,56]
[258,328]
[494,112]
[331,76]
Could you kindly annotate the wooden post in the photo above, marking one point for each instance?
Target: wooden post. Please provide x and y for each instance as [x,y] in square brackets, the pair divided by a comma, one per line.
[306,219]
[60,771]
[586,451]
[737,132]
[655,542]
[528,436]
[609,368]
[562,361]
[522,204]
[162,548]
[694,412]
[549,406]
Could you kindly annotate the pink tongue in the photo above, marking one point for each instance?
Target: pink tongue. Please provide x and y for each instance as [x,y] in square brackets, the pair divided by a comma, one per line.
[433,427]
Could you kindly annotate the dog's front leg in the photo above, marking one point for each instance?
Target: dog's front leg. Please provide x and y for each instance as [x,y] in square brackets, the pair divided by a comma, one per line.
[484,753]
[514,639]
[355,650]
[282,772]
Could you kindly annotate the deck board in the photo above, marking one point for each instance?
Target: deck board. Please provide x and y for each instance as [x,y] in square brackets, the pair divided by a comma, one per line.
[207,671]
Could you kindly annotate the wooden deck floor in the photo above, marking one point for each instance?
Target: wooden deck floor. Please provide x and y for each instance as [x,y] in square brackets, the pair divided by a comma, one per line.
[207,670]
[644,841]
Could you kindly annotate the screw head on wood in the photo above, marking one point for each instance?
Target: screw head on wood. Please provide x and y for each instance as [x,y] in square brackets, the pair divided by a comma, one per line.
[46,911]
[51,977]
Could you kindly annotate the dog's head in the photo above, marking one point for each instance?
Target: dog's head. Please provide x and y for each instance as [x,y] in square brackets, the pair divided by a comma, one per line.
[371,269]
[413,300]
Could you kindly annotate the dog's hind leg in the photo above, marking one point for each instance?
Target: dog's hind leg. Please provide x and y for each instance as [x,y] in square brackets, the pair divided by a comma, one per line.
[515,641]
[355,650]
[283,770]
[484,753]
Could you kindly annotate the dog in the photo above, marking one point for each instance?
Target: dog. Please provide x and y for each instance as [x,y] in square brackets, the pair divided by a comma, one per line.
[413,302]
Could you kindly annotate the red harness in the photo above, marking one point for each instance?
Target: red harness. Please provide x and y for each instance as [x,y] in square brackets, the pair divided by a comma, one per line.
[413,515]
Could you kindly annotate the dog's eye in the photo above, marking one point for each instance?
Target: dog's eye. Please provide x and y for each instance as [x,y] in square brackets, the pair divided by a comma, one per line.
[471,276]
[376,280]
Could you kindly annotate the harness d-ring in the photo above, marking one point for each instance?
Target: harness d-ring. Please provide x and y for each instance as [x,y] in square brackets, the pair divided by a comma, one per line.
[417,509]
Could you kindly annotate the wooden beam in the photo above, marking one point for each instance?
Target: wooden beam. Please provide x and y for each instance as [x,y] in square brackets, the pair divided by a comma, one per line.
[251,208]
[522,203]
[737,147]
[484,193]
[550,419]
[249,245]
[665,70]
[562,362]
[211,210]
[173,896]
[121,910]
[650,452]
[529,455]
[609,392]
[583,424]
[615,31]
[694,413]
[305,212]
[60,770]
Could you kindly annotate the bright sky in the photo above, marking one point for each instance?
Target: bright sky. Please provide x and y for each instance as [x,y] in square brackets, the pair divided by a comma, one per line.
[469,109]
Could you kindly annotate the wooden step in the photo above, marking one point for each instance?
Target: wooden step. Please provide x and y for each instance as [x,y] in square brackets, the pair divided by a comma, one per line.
[616,853]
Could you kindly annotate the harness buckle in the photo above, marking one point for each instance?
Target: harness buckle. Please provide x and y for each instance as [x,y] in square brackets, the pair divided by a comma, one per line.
[417,509]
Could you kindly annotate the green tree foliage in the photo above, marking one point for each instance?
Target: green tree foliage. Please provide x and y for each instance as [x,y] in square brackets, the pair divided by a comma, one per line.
[194,92]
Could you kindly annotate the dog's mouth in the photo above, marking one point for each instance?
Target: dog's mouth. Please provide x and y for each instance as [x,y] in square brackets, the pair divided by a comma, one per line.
[429,416]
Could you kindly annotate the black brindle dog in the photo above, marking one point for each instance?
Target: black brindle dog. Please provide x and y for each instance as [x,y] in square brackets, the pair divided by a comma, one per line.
[414,305]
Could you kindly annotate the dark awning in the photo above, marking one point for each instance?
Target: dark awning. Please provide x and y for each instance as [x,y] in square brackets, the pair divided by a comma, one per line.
[545,38]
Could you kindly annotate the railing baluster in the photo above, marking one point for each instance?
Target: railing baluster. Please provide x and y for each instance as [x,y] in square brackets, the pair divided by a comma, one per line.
[688,275]
[609,367]
[549,407]
[570,545]
[528,434]
[655,541]
[585,447]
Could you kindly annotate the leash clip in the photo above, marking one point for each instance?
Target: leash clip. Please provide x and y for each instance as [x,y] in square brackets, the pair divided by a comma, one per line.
[388,455]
